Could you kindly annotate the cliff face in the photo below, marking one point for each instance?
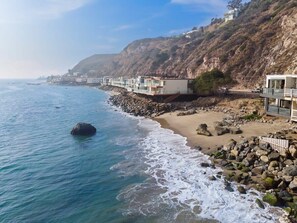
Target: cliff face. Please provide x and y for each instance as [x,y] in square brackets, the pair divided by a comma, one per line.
[262,40]
[93,64]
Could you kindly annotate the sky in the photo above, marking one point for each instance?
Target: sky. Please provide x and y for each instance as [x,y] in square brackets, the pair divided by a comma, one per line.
[45,37]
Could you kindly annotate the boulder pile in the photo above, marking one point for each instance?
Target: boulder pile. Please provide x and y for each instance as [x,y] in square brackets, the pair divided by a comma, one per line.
[139,106]
[259,164]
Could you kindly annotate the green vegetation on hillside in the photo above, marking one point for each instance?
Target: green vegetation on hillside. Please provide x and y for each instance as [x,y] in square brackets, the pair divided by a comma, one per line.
[209,82]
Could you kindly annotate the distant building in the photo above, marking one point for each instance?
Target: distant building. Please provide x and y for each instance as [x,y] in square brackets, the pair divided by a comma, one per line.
[231,15]
[81,80]
[280,95]
[94,80]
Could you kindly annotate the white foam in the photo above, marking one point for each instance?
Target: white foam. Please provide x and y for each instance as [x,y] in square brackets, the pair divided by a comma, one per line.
[181,183]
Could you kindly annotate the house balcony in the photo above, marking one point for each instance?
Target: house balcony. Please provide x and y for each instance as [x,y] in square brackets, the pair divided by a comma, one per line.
[279,93]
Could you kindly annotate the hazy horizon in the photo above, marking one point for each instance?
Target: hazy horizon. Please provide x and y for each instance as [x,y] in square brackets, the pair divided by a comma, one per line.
[49,37]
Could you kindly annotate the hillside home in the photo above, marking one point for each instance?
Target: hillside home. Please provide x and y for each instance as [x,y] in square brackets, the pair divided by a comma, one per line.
[231,15]
[280,95]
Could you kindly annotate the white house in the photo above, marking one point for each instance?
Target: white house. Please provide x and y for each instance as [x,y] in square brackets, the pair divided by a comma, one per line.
[154,85]
[231,14]
[280,95]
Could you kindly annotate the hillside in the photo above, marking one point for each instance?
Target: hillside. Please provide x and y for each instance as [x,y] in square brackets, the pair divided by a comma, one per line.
[260,41]
[93,64]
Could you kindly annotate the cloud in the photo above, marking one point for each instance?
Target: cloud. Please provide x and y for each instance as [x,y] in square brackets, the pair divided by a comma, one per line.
[206,5]
[16,11]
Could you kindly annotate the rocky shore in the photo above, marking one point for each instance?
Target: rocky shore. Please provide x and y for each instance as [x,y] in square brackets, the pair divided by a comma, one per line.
[250,162]
[139,106]
[255,163]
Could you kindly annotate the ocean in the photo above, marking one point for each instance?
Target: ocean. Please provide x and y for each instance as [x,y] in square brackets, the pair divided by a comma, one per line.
[131,171]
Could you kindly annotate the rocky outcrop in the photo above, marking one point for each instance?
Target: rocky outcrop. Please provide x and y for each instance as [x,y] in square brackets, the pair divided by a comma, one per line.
[83,129]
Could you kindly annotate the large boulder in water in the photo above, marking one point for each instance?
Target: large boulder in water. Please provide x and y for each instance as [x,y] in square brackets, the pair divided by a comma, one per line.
[83,129]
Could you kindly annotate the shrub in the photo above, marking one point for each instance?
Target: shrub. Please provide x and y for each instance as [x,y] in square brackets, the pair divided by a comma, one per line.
[251,117]
[210,81]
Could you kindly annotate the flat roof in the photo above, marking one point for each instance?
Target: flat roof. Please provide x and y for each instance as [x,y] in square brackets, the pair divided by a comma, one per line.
[281,76]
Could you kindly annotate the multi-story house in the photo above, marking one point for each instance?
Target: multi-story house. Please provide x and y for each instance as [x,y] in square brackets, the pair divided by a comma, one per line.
[280,95]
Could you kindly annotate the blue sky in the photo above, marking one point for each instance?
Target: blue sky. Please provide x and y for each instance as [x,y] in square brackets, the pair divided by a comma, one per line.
[43,37]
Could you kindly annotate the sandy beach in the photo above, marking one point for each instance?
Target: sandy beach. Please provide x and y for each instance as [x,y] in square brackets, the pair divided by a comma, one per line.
[187,125]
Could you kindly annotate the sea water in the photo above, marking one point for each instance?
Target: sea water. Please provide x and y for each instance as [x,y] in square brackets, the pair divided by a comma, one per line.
[132,170]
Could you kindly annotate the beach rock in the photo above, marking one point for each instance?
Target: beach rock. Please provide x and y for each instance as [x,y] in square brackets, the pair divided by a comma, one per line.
[270,199]
[83,129]
[288,162]
[257,170]
[234,152]
[228,186]
[273,156]
[285,196]
[265,159]
[259,203]
[287,178]
[230,145]
[205,165]
[269,183]
[202,130]
[272,165]
[290,171]
[283,152]
[293,151]
[293,184]
[221,130]
[241,189]
[261,152]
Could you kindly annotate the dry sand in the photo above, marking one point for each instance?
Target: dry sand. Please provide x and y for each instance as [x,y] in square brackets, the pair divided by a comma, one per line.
[186,126]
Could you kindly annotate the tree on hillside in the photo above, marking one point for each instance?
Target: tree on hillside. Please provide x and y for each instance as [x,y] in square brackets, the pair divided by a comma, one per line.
[234,4]
[210,82]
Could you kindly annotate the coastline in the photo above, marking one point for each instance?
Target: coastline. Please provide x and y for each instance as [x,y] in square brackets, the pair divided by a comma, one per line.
[186,126]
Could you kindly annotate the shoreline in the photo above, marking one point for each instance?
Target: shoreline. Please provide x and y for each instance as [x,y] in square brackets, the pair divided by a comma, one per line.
[186,125]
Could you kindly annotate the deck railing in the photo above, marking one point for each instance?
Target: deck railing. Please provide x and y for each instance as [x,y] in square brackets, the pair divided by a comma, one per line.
[286,92]
[279,111]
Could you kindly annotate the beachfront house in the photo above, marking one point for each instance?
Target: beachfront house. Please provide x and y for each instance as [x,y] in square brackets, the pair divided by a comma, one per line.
[163,86]
[280,94]
[231,15]
[154,85]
